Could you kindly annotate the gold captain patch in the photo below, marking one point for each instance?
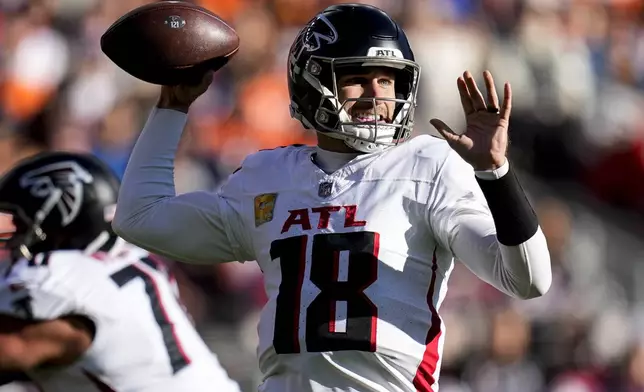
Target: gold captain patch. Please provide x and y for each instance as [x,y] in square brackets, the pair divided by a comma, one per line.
[264,206]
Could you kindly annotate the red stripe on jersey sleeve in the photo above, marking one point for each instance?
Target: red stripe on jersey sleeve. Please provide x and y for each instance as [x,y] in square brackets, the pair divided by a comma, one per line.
[374,319]
[424,378]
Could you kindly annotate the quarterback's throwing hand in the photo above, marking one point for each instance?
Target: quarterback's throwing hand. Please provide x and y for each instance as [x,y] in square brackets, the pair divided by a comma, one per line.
[181,96]
[485,140]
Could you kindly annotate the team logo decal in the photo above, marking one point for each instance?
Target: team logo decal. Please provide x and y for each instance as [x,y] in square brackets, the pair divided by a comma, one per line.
[60,185]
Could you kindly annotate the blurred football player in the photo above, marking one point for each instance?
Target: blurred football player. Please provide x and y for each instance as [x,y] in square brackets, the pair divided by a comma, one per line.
[356,236]
[81,309]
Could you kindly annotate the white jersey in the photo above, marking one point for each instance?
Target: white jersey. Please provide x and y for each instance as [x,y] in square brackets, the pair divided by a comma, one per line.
[353,272]
[355,263]
[144,340]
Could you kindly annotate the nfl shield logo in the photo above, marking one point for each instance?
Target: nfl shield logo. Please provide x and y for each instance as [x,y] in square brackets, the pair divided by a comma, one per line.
[325,189]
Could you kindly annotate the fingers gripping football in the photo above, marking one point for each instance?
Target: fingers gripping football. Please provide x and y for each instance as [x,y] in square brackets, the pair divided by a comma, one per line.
[181,96]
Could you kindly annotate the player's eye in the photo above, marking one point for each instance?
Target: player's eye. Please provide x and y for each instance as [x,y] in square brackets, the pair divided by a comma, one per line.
[386,82]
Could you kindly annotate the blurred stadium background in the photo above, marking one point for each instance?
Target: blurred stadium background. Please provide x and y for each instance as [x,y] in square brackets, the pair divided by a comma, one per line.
[577,69]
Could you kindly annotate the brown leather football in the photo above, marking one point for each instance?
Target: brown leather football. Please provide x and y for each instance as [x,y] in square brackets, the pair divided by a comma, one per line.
[169,42]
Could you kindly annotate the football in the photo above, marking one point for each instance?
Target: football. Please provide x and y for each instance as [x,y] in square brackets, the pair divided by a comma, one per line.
[169,42]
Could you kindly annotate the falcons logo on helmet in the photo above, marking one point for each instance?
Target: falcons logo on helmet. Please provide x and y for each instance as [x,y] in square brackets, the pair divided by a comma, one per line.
[319,32]
[61,186]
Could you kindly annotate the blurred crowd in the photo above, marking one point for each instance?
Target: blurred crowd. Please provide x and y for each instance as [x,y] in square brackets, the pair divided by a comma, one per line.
[577,71]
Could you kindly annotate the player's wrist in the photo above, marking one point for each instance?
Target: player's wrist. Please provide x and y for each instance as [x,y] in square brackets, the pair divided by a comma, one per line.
[169,103]
[514,217]
[495,173]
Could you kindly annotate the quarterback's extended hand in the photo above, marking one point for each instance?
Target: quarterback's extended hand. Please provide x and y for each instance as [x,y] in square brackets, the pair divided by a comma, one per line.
[485,140]
[181,96]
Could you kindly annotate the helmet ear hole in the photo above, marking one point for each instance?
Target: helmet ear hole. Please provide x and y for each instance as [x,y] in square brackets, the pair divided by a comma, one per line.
[327,115]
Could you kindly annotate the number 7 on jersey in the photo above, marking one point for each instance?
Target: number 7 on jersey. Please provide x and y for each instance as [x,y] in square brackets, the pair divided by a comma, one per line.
[322,333]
